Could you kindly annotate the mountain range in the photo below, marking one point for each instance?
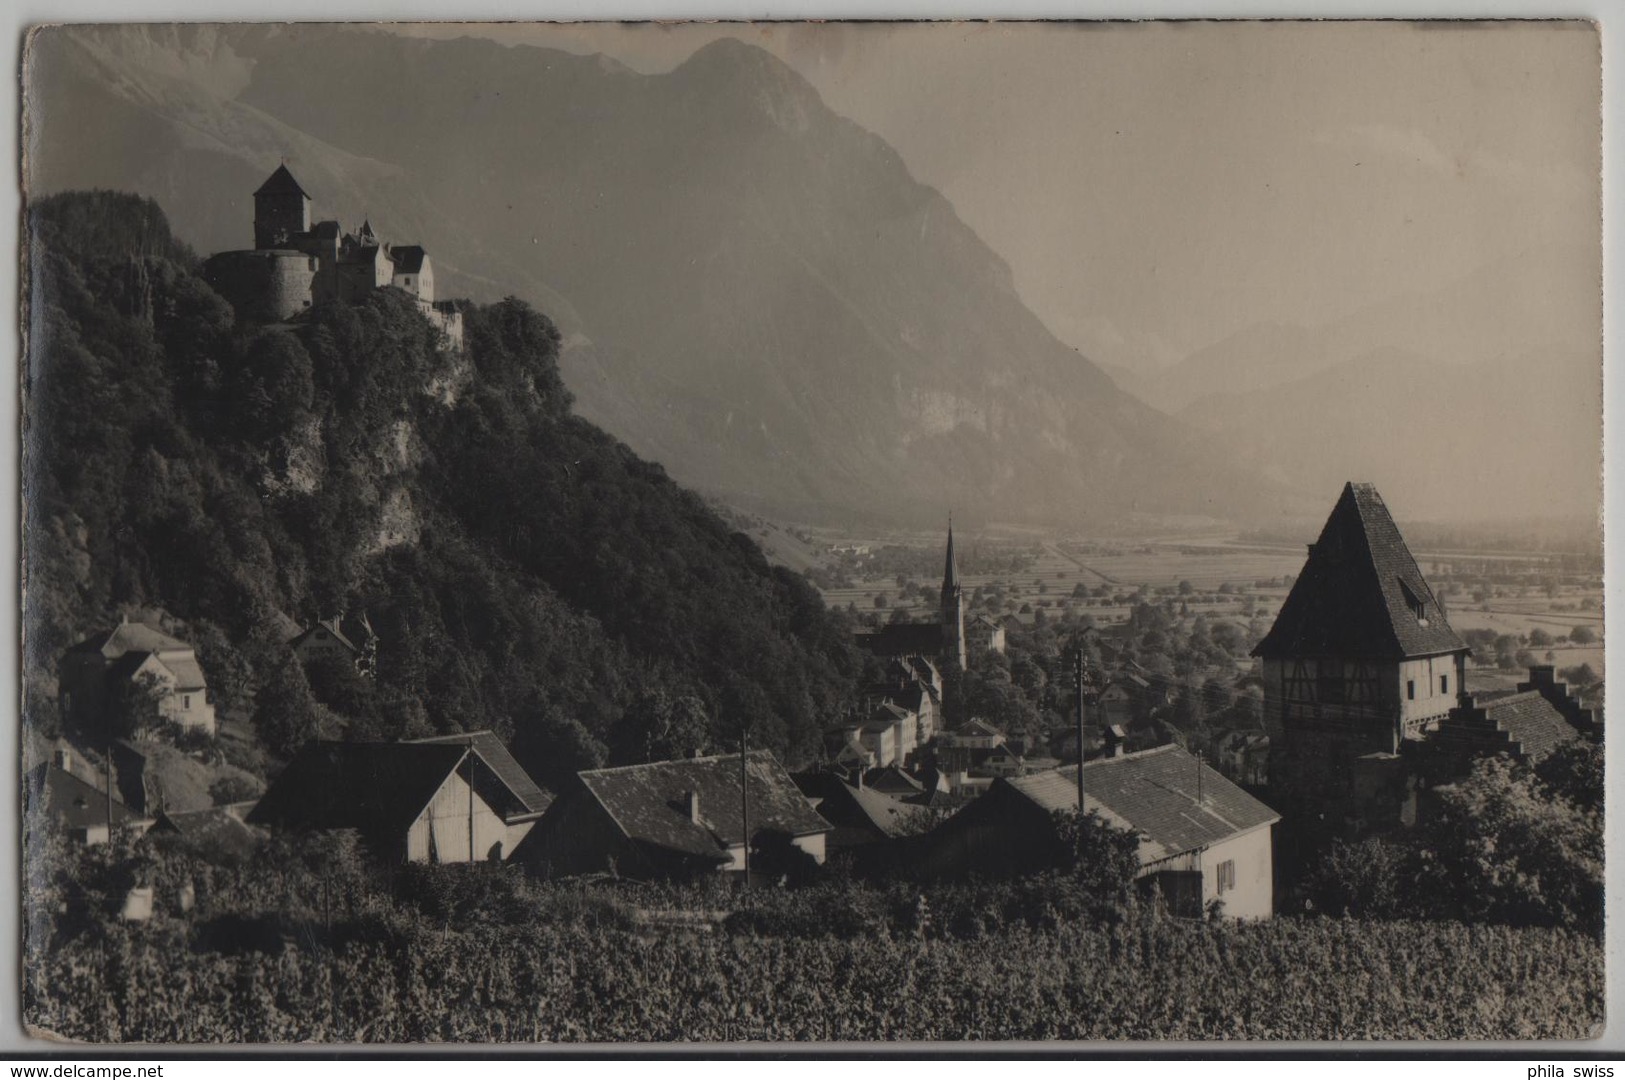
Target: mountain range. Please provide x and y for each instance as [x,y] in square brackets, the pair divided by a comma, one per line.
[753,290]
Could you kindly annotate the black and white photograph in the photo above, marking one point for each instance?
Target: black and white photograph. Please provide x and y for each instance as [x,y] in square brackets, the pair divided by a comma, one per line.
[798,534]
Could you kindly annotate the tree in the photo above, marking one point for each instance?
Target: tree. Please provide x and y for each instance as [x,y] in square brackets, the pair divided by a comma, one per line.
[1539,638]
[1372,879]
[137,706]
[1101,857]
[286,715]
[1575,772]
[1582,675]
[659,726]
[1507,849]
[1582,635]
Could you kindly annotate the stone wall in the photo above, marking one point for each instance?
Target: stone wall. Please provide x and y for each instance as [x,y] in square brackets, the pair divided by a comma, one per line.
[268,286]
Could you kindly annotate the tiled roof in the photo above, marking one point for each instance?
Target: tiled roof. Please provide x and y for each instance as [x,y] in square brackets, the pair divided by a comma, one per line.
[847,807]
[1360,593]
[1524,724]
[408,258]
[1154,792]
[892,780]
[130,637]
[903,639]
[495,754]
[216,826]
[72,800]
[188,673]
[650,802]
[281,182]
[332,626]
[376,788]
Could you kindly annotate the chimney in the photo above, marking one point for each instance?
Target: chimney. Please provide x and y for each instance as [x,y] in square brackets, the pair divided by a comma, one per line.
[1542,675]
[62,758]
[694,807]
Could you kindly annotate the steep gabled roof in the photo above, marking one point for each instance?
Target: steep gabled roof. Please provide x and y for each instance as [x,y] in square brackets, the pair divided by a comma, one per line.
[332,626]
[950,565]
[649,803]
[495,754]
[130,637]
[72,800]
[1154,792]
[1361,593]
[281,182]
[859,813]
[376,788]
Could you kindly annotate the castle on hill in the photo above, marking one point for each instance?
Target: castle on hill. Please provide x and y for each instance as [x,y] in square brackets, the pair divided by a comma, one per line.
[295,263]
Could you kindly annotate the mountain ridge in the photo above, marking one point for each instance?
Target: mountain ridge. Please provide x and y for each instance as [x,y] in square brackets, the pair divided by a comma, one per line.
[786,313]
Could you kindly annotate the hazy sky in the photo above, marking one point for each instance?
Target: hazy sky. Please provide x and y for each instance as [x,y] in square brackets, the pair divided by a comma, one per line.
[1196,178]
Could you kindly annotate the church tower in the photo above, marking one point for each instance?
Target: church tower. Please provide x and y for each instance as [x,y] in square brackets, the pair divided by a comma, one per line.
[953,607]
[1360,665]
[281,210]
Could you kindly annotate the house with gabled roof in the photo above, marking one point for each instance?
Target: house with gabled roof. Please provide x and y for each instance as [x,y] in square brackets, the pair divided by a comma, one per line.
[865,823]
[96,672]
[1201,838]
[677,820]
[985,633]
[434,802]
[533,799]
[65,794]
[349,639]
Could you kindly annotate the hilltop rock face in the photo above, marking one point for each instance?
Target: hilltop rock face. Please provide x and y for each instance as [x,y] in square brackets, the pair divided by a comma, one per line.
[753,290]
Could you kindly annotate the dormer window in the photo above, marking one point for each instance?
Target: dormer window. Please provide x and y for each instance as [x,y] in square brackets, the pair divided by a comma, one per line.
[1414,602]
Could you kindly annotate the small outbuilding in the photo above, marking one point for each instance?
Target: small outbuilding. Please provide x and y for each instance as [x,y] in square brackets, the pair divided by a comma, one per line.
[678,819]
[1202,838]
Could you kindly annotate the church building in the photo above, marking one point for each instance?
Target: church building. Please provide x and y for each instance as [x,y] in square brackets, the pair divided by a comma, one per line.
[943,641]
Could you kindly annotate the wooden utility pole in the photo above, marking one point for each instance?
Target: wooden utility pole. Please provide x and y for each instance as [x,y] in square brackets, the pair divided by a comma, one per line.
[470,759]
[109,789]
[744,797]
[1078,673]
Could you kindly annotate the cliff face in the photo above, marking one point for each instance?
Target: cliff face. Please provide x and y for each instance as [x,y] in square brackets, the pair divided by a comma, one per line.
[753,290]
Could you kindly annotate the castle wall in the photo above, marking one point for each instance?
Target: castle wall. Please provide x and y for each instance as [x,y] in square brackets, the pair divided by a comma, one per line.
[269,286]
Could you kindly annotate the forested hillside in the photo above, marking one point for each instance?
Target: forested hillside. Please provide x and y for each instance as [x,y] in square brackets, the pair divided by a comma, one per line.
[523,570]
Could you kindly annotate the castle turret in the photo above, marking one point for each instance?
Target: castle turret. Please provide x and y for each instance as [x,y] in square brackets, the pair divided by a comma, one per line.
[953,606]
[281,210]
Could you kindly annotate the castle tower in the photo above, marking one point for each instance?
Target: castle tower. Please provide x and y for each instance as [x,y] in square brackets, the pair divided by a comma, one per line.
[1360,663]
[281,210]
[953,606]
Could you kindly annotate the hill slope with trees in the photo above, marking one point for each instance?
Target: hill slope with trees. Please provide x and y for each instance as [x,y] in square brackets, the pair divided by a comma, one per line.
[523,570]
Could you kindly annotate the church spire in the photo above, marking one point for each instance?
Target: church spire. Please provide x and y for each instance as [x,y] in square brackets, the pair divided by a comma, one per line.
[953,605]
